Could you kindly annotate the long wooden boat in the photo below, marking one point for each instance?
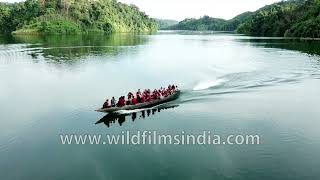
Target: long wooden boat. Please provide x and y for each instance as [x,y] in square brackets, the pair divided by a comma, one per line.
[142,105]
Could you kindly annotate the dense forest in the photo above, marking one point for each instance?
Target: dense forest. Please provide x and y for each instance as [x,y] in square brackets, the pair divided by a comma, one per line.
[202,24]
[291,18]
[294,18]
[72,17]
[207,23]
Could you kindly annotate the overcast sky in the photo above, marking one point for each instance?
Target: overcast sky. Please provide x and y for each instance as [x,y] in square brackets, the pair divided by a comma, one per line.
[181,9]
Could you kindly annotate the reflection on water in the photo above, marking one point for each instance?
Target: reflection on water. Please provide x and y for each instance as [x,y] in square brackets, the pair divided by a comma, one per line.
[112,118]
[231,85]
[72,47]
[307,46]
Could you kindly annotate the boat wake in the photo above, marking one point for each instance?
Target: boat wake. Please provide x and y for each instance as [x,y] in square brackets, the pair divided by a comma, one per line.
[239,82]
[124,112]
[209,84]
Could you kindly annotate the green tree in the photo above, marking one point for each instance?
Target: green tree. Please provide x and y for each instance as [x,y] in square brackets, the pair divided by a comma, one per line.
[70,16]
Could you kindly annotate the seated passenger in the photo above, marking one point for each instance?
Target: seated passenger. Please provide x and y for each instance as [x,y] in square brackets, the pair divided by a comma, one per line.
[138,93]
[134,101]
[139,98]
[130,95]
[161,96]
[148,98]
[113,102]
[119,102]
[106,104]
[128,102]
[123,102]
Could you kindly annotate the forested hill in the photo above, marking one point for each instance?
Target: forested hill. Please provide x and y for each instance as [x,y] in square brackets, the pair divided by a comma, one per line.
[207,23]
[294,18]
[72,17]
[203,24]
[291,18]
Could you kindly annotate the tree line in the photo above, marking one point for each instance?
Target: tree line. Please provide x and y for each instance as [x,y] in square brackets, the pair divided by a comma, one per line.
[207,23]
[72,17]
[291,18]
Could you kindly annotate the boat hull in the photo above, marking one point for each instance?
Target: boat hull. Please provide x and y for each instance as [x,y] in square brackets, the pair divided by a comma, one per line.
[141,105]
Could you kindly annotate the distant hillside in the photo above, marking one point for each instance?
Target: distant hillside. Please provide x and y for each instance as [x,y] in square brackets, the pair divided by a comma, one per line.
[72,17]
[293,18]
[233,23]
[165,23]
[203,24]
[207,23]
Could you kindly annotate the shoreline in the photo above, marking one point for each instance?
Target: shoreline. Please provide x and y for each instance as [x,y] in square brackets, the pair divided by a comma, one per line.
[34,33]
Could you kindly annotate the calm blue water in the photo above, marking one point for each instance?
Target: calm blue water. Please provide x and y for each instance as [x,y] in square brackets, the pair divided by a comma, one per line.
[230,84]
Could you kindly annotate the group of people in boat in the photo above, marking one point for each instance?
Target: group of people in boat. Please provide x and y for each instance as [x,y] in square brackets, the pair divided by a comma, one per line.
[141,97]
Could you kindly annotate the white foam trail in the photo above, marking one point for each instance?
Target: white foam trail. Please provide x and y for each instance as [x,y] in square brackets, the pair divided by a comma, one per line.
[135,110]
[208,84]
[140,110]
[130,111]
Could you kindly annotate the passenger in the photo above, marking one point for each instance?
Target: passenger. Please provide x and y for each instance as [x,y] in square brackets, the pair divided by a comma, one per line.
[139,92]
[129,101]
[123,103]
[139,98]
[169,91]
[145,94]
[153,96]
[130,95]
[143,99]
[134,101]
[147,98]
[119,102]
[113,102]
[165,94]
[161,96]
[106,104]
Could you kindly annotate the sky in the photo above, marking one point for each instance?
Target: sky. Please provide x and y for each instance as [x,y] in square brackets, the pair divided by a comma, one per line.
[181,9]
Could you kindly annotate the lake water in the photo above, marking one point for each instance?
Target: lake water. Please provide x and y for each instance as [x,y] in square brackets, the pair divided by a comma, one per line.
[231,84]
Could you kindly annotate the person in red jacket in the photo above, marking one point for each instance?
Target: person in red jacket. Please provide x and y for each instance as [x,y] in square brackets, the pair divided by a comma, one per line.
[123,102]
[134,101]
[130,94]
[143,99]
